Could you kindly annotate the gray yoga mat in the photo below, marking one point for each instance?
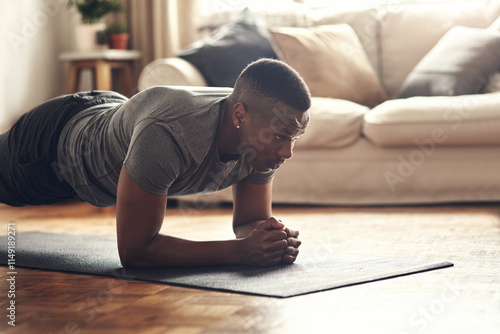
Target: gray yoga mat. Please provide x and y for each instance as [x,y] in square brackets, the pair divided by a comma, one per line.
[98,255]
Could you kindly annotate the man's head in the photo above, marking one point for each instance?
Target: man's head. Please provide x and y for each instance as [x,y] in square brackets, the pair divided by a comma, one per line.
[270,109]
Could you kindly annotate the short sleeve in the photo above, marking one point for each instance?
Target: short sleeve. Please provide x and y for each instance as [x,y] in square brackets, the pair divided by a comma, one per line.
[260,178]
[153,158]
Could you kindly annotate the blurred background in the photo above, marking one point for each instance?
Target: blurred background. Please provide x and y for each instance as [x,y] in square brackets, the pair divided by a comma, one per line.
[35,33]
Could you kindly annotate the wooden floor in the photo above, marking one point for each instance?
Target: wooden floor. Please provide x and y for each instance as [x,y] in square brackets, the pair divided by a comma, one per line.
[461,299]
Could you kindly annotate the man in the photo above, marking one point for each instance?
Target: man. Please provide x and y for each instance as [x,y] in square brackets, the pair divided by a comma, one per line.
[101,148]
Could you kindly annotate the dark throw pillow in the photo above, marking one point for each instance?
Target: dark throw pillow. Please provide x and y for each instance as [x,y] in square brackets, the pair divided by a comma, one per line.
[459,64]
[222,56]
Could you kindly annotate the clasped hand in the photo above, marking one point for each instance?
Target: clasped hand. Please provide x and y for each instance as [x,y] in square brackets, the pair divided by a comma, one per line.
[271,243]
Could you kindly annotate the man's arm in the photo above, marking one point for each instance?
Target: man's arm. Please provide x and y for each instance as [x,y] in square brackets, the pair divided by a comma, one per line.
[253,209]
[139,217]
[252,205]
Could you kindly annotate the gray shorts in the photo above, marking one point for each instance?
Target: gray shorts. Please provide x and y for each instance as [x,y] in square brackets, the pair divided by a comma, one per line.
[28,151]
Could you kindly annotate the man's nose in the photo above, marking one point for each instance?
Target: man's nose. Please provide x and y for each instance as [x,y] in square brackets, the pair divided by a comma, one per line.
[286,151]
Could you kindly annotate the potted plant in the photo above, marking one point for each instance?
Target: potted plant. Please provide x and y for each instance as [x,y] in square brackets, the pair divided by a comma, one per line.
[118,36]
[92,12]
[102,40]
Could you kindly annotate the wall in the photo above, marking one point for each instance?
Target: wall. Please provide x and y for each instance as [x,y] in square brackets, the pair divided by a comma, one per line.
[33,33]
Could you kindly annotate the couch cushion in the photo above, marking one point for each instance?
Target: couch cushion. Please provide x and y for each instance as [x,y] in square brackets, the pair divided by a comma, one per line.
[332,62]
[410,31]
[459,64]
[493,84]
[222,56]
[495,25]
[363,21]
[494,9]
[334,123]
[443,120]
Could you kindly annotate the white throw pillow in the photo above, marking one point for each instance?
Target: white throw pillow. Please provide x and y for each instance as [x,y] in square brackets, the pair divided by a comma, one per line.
[332,62]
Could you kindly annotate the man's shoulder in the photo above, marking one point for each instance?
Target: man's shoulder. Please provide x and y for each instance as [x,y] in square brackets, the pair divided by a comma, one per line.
[190,118]
[186,94]
[167,104]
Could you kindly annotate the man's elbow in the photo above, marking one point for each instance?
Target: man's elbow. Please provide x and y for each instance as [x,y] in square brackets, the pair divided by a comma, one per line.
[132,259]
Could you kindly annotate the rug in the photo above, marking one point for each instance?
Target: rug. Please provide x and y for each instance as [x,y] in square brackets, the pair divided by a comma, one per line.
[98,255]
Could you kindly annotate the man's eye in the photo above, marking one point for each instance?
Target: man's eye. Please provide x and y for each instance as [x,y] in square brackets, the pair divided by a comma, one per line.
[279,137]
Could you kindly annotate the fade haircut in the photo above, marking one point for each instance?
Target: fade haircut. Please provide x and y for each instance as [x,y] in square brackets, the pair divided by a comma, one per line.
[266,81]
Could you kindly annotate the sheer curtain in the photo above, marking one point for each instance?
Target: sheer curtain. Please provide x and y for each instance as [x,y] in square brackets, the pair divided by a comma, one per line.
[160,28]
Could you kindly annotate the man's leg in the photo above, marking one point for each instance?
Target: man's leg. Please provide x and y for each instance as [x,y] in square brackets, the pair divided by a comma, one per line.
[27,152]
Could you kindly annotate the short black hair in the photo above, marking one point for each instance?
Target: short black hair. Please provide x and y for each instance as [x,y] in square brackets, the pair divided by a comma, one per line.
[268,80]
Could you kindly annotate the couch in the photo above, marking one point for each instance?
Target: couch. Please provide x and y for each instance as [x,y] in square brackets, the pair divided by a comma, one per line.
[395,121]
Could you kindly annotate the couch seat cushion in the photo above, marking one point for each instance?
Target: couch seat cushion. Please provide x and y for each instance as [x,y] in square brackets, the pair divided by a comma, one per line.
[334,123]
[332,62]
[438,120]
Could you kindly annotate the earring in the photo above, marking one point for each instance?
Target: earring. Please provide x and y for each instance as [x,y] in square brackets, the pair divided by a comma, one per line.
[237,126]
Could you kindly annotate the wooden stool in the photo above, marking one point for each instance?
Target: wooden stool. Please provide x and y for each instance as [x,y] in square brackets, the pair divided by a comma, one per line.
[101,62]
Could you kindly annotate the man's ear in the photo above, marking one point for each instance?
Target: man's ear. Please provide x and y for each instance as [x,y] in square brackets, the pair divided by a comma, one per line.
[239,114]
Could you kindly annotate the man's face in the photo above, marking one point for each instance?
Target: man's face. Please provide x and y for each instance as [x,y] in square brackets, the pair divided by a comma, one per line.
[268,140]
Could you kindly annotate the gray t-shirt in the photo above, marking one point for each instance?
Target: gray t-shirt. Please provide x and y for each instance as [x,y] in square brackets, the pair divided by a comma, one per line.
[166,139]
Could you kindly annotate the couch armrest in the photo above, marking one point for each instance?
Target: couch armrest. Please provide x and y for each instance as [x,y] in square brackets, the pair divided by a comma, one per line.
[170,71]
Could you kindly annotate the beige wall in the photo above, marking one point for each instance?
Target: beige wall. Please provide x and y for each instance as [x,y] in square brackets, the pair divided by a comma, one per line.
[33,33]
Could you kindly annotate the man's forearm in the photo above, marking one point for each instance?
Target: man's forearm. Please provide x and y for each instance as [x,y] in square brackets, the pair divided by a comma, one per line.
[168,251]
[260,243]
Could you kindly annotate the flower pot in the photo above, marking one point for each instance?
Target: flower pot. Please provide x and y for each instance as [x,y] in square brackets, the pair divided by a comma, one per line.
[86,36]
[118,41]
